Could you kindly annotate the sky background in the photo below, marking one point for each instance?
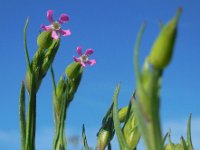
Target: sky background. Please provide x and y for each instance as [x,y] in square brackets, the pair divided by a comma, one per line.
[110,28]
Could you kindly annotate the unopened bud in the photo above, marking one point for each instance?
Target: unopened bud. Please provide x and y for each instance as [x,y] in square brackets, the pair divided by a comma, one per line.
[73,70]
[44,40]
[131,132]
[59,96]
[122,114]
[174,147]
[103,139]
[161,52]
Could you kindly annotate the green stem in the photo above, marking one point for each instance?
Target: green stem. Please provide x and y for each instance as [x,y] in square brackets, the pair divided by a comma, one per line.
[59,138]
[154,127]
[31,120]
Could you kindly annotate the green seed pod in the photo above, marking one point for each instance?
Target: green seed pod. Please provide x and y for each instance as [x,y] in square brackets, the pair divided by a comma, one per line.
[44,39]
[103,139]
[131,132]
[73,70]
[162,50]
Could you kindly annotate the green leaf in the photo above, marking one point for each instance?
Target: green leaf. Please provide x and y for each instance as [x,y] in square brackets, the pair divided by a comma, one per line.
[53,80]
[189,138]
[22,116]
[183,142]
[120,136]
[165,137]
[25,45]
[142,124]
[137,108]
[84,138]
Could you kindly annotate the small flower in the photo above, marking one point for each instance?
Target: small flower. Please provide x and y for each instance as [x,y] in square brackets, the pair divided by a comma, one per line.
[84,58]
[55,26]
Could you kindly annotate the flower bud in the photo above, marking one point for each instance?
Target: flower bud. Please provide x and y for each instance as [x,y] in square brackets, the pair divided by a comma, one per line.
[49,56]
[44,40]
[161,52]
[174,147]
[59,96]
[73,70]
[170,146]
[131,132]
[36,65]
[122,114]
[104,137]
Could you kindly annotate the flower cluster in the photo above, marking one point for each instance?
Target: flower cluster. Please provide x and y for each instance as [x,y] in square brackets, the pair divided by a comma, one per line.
[55,28]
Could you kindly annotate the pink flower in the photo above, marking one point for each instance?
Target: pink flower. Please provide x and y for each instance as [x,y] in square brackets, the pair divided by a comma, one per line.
[55,26]
[84,58]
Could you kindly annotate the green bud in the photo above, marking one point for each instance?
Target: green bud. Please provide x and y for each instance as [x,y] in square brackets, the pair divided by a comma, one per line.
[179,147]
[131,132]
[162,50]
[73,70]
[36,66]
[44,39]
[49,56]
[170,146]
[59,96]
[104,137]
[123,113]
[173,146]
[143,91]
[28,80]
[74,85]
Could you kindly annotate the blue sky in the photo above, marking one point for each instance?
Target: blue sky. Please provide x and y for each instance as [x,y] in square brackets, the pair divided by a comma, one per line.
[110,27]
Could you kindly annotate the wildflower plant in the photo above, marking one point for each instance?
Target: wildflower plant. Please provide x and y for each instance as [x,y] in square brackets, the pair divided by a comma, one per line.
[139,119]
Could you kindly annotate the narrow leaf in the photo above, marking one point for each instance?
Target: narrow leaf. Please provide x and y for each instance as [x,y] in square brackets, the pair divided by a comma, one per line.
[184,143]
[141,120]
[189,138]
[53,80]
[25,45]
[84,138]
[165,137]
[22,116]
[120,136]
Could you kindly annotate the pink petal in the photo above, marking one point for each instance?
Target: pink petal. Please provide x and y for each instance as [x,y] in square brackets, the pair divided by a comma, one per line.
[65,32]
[76,59]
[89,51]
[50,16]
[46,28]
[63,18]
[79,50]
[91,62]
[54,35]
[83,64]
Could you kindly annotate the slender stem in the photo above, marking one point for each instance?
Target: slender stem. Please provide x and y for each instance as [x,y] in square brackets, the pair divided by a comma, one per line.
[60,126]
[31,120]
